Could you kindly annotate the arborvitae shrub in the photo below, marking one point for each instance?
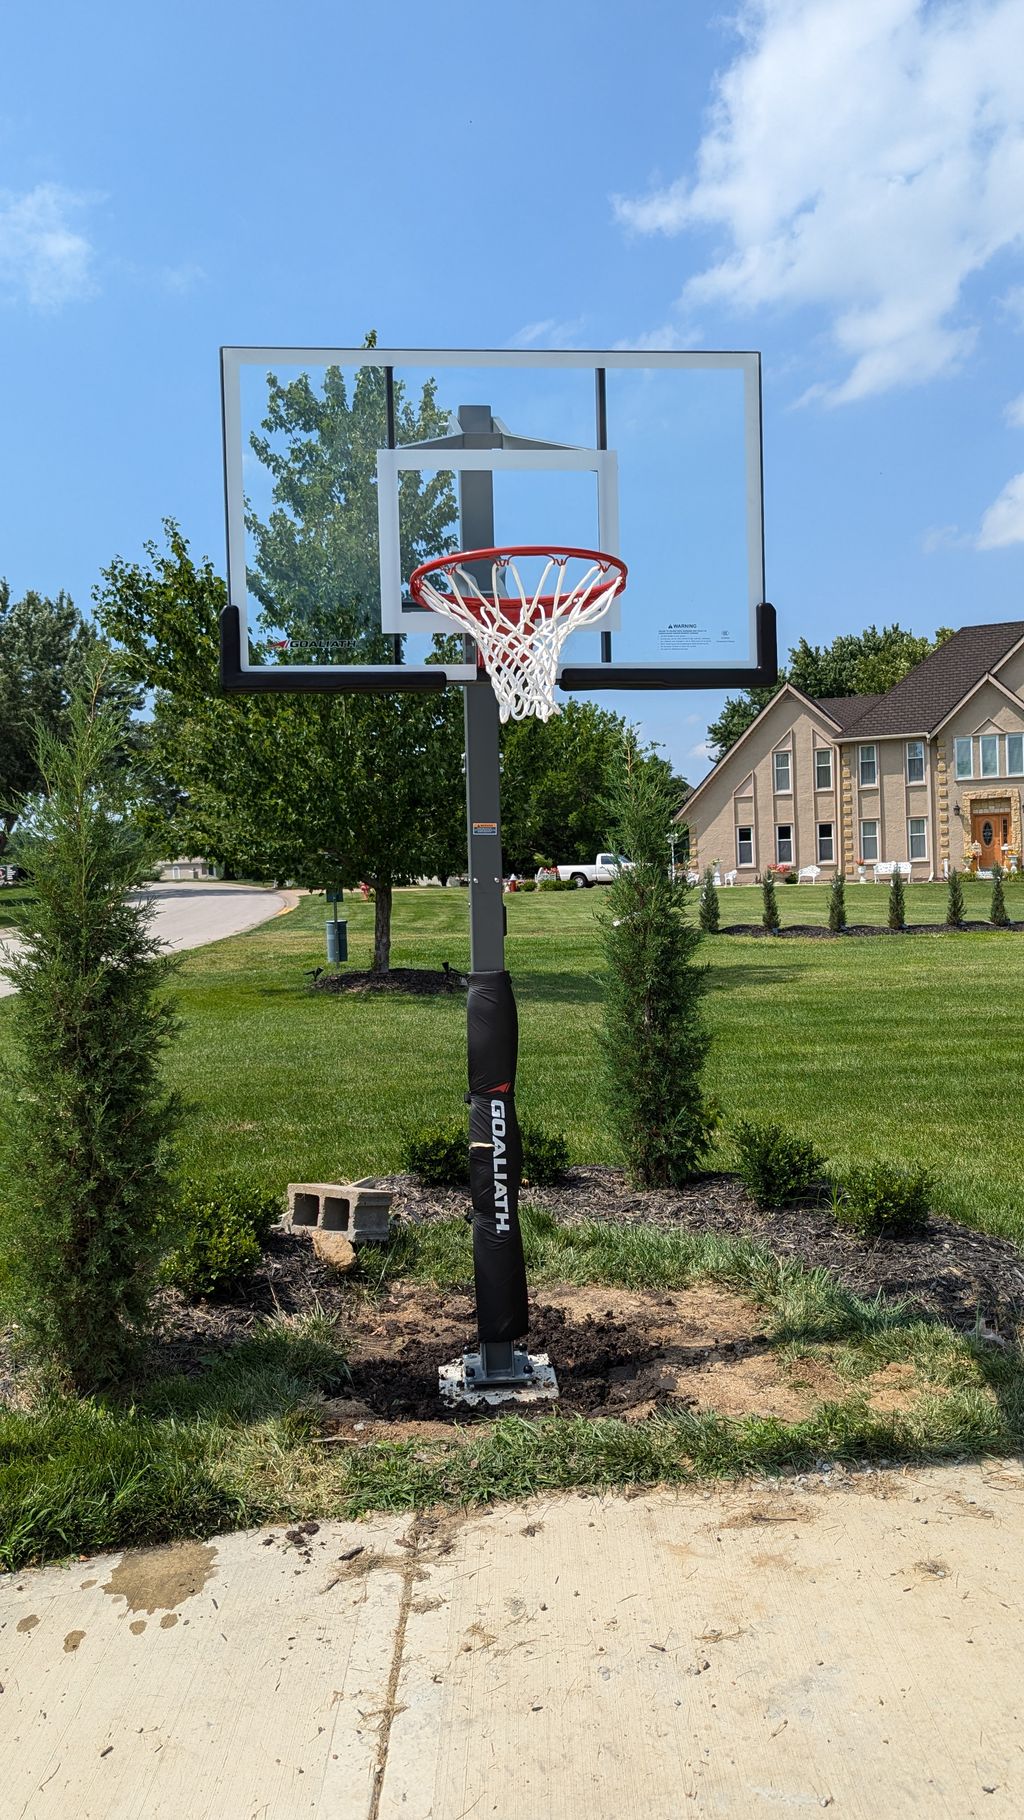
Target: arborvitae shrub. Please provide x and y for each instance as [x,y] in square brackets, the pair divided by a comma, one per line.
[897,902]
[707,910]
[955,901]
[87,1120]
[770,919]
[837,904]
[655,1039]
[998,912]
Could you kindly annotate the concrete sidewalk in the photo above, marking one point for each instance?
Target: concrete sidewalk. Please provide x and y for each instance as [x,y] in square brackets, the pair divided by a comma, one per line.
[853,1646]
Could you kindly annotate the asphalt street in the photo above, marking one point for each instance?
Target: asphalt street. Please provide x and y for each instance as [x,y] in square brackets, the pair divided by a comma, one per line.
[189,913]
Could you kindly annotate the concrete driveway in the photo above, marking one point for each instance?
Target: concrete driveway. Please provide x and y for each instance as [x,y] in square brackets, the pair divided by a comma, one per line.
[839,1642]
[189,913]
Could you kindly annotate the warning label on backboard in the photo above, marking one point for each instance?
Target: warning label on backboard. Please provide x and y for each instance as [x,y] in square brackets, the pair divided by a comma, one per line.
[687,635]
[485,828]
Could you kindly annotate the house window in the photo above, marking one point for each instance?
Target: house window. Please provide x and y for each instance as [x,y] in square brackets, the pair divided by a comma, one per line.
[963,757]
[783,762]
[744,846]
[915,761]
[869,841]
[918,837]
[784,843]
[989,743]
[823,768]
[1015,754]
[869,764]
[826,844]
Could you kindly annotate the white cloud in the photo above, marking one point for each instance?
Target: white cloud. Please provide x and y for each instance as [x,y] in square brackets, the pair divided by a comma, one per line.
[43,258]
[865,158]
[1003,523]
[944,537]
[548,333]
[1014,412]
[701,750]
[180,280]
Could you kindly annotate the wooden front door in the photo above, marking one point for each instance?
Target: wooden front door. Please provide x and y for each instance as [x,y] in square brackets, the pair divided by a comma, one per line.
[991,833]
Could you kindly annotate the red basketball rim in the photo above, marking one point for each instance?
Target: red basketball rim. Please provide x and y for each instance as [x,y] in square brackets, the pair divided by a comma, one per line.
[510,606]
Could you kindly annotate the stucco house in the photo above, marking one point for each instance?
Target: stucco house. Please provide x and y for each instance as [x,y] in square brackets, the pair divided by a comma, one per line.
[930,773]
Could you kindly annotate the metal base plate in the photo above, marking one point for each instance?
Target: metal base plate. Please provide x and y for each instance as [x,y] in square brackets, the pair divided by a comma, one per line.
[463,1384]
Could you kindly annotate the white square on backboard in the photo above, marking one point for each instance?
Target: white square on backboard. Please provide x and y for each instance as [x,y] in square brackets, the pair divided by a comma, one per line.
[395,615]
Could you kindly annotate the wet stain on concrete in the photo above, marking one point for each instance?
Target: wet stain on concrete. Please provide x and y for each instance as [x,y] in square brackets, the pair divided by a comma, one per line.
[137,1626]
[169,1620]
[72,1640]
[158,1579]
[28,1623]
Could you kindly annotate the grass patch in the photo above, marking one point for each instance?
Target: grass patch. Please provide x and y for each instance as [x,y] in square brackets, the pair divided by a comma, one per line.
[76,1478]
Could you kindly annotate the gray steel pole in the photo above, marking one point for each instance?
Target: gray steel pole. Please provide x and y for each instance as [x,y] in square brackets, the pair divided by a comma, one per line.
[499,1269]
[483,757]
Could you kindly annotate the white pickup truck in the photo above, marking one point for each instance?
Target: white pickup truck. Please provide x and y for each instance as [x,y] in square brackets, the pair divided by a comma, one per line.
[605,867]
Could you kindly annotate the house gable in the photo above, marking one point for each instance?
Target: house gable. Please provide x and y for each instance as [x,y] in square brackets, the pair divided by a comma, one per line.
[747,811]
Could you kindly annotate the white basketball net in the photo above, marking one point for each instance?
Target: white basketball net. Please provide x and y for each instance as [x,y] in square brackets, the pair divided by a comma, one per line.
[520,650]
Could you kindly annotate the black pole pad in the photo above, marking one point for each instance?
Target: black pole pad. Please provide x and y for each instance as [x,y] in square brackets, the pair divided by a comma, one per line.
[495,1158]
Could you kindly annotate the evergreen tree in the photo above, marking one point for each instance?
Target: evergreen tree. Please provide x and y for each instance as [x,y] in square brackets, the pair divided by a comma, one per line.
[897,902]
[655,1038]
[955,901]
[86,1120]
[708,907]
[771,922]
[998,913]
[837,904]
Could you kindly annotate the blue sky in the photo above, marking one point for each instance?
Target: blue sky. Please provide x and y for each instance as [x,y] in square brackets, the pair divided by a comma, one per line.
[837,182]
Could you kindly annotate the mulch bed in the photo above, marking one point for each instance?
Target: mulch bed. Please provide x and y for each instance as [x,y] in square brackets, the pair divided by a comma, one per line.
[951,1272]
[815,931]
[424,982]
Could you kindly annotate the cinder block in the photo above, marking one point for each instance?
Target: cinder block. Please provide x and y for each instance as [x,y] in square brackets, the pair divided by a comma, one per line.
[361,1212]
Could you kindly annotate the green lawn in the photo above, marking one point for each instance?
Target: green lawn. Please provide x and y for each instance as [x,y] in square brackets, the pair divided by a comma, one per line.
[906,1047]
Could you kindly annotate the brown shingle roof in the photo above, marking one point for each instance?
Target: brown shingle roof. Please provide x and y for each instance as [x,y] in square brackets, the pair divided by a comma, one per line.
[933,688]
[845,709]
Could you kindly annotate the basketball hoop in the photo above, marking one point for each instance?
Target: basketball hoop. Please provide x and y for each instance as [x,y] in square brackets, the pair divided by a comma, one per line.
[520,630]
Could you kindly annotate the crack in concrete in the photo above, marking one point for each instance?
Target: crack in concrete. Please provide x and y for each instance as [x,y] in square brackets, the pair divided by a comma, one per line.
[411,1573]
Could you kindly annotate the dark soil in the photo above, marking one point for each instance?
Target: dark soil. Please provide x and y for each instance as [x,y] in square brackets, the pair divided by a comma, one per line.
[606,1365]
[424,982]
[951,1271]
[815,931]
